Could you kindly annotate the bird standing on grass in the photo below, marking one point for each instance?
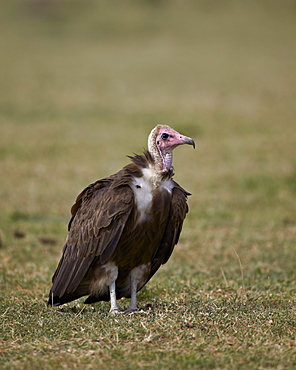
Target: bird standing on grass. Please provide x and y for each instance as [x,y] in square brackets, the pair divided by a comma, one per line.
[123,228]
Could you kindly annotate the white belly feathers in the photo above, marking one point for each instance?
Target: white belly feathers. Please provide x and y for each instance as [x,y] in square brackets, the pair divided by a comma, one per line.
[143,191]
[143,197]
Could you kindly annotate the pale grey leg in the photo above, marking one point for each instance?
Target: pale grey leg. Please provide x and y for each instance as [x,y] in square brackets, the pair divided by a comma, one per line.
[114,308]
[138,276]
[133,302]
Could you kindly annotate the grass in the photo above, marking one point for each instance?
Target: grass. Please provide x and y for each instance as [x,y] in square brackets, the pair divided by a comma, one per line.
[81,86]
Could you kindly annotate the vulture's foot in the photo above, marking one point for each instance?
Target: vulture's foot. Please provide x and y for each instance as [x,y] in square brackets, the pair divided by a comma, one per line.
[115,311]
[130,310]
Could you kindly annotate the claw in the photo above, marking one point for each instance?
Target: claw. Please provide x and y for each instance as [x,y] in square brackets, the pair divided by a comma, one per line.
[130,310]
[115,311]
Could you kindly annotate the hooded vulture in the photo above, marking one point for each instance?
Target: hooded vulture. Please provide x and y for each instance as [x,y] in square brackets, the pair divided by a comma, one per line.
[123,228]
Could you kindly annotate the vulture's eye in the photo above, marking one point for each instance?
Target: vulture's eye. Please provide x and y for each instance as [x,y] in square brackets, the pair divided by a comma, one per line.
[165,136]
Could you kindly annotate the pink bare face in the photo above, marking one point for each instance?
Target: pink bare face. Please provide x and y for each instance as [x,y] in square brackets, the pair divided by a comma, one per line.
[168,139]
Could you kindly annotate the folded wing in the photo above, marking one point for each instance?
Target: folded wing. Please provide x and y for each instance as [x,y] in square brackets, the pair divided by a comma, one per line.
[98,219]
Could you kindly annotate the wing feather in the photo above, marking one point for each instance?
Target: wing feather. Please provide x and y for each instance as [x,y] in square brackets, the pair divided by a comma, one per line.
[98,220]
[178,211]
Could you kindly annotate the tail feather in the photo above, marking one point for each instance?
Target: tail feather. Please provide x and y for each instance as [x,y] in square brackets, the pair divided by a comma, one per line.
[55,299]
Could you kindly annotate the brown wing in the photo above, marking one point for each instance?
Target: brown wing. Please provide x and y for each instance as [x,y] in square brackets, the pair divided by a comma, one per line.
[178,211]
[98,219]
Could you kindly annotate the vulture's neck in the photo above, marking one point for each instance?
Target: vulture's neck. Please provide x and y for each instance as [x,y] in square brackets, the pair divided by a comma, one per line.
[161,164]
[162,161]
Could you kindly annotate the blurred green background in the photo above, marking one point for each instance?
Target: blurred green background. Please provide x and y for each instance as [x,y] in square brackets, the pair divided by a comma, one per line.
[82,83]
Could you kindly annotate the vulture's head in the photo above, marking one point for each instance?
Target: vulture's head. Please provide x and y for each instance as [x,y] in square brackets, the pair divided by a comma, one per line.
[161,143]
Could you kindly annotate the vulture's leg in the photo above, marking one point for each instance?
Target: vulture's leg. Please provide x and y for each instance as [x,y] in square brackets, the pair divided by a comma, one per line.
[138,277]
[133,302]
[114,308]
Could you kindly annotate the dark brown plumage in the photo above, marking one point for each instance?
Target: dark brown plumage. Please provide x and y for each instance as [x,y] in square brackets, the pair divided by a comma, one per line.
[123,228]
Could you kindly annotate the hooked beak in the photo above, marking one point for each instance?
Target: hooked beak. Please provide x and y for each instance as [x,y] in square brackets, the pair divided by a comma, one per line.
[188,140]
